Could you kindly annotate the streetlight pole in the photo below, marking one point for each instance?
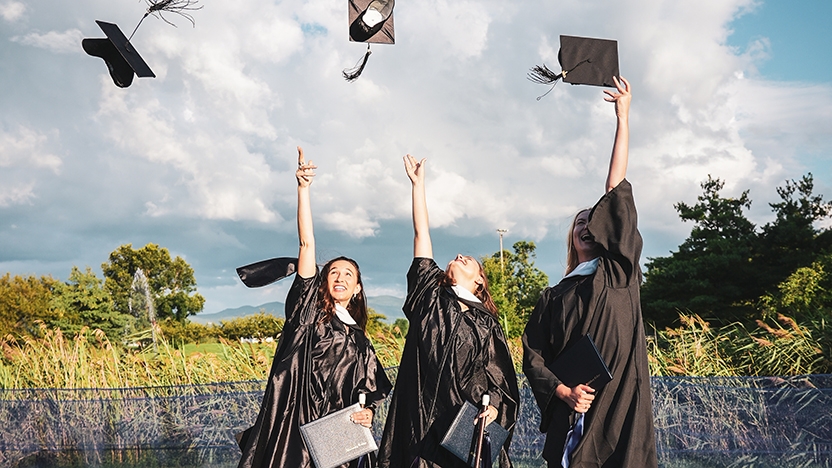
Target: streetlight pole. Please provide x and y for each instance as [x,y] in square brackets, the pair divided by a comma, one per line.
[501,231]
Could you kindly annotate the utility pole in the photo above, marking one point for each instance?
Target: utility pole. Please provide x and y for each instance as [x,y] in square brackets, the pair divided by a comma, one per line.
[501,231]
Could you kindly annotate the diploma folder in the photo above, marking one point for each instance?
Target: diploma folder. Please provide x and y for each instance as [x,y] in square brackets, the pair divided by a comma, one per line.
[459,440]
[334,439]
[582,364]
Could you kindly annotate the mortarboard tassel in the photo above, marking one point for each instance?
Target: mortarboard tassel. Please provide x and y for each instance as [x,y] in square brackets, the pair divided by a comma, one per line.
[543,75]
[179,7]
[351,74]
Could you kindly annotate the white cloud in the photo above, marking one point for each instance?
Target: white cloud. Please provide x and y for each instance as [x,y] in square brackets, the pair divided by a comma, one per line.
[23,156]
[213,136]
[458,28]
[16,193]
[12,11]
[26,148]
[66,42]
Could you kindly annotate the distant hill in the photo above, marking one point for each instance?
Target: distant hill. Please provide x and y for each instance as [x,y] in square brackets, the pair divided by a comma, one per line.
[389,306]
[274,308]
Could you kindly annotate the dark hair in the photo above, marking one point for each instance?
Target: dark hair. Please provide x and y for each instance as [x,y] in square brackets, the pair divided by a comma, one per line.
[358,304]
[482,292]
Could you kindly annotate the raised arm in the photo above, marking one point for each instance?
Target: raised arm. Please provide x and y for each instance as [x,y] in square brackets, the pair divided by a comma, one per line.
[306,236]
[620,148]
[422,246]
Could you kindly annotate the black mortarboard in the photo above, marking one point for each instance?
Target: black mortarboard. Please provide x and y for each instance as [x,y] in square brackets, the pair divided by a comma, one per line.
[122,59]
[583,60]
[266,272]
[371,21]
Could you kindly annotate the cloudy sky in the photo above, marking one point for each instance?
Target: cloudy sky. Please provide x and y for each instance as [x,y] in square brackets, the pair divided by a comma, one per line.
[200,159]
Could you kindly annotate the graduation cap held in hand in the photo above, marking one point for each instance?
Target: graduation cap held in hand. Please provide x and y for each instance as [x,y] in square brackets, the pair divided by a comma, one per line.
[266,272]
[583,60]
[122,59]
[371,21]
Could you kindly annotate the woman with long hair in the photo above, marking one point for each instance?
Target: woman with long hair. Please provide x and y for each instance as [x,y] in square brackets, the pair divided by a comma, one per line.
[455,351]
[598,296]
[324,359]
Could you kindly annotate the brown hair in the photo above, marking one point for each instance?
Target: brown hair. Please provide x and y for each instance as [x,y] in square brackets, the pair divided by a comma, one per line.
[571,252]
[358,304]
[482,292]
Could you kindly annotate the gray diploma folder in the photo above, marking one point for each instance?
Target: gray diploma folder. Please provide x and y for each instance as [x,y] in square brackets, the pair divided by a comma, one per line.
[334,439]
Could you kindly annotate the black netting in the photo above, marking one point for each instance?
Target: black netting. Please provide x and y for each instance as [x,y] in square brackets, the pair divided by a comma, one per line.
[700,422]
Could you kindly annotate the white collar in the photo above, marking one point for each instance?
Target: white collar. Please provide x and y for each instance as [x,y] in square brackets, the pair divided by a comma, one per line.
[585,269]
[344,315]
[463,293]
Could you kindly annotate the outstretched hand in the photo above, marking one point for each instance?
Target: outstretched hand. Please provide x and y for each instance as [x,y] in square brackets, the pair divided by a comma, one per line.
[306,171]
[415,169]
[621,98]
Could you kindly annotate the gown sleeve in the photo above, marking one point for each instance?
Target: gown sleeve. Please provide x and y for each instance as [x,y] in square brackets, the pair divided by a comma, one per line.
[613,223]
[422,281]
[301,300]
[502,380]
[537,346]
[377,385]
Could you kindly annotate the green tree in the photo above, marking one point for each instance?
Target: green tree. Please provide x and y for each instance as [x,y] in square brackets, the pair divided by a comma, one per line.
[375,322]
[403,325]
[25,300]
[515,285]
[711,274]
[171,281]
[260,325]
[792,241]
[805,295]
[84,302]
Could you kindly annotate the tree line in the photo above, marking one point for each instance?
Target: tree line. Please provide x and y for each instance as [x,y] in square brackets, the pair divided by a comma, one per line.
[84,300]
[729,270]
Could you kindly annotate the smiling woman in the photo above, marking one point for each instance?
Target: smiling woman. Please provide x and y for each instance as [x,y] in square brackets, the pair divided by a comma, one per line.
[455,352]
[325,360]
[598,297]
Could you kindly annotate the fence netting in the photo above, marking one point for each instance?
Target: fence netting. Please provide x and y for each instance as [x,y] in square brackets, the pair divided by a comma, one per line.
[700,422]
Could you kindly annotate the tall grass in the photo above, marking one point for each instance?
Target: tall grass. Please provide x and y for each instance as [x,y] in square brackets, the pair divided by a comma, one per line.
[90,360]
[696,348]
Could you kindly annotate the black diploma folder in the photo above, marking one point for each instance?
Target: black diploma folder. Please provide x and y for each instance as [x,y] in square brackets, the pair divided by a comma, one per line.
[582,364]
[459,440]
[334,439]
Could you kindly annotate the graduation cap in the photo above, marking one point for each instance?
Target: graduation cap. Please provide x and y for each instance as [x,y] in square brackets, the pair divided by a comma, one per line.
[266,272]
[583,60]
[122,59]
[371,21]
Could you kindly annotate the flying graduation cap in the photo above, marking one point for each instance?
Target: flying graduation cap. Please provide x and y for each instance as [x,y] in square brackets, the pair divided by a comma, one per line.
[583,60]
[266,272]
[122,59]
[371,21]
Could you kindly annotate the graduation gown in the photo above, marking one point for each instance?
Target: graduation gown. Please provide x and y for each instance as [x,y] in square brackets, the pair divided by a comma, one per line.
[450,356]
[618,428]
[318,368]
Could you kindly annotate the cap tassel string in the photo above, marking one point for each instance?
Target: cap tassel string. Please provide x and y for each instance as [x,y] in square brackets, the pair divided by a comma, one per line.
[543,75]
[351,74]
[179,7]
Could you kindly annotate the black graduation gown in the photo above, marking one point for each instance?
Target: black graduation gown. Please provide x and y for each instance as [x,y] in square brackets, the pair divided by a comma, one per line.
[318,368]
[450,356]
[618,428]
